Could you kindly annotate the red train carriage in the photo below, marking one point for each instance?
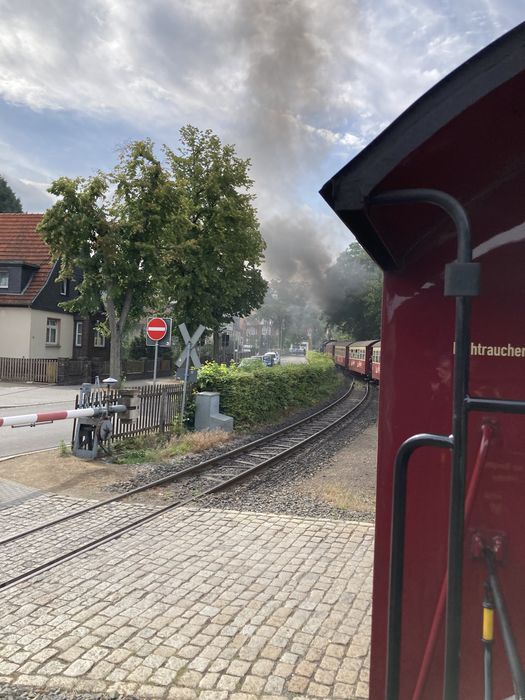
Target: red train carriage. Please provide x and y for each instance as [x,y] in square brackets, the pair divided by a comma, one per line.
[341,353]
[360,357]
[438,200]
[328,348]
[376,362]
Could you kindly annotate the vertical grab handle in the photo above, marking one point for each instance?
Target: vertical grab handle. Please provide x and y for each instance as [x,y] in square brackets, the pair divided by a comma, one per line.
[397,552]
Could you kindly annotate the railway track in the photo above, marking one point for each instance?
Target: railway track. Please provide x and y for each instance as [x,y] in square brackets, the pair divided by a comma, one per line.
[33,551]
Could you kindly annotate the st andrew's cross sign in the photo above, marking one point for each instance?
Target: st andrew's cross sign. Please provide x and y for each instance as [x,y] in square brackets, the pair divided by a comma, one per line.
[190,343]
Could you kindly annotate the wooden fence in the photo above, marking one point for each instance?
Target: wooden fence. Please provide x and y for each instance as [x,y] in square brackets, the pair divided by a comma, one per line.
[158,407]
[24,369]
[65,370]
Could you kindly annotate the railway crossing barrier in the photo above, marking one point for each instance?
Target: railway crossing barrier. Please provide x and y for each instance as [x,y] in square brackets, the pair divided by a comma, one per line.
[93,426]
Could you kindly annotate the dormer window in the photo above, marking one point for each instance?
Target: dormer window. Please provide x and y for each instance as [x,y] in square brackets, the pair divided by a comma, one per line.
[4,279]
[64,287]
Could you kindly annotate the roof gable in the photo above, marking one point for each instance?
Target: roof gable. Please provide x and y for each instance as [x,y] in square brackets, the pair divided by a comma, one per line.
[20,241]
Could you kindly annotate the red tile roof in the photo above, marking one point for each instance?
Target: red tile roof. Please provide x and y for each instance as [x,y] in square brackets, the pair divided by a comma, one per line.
[19,240]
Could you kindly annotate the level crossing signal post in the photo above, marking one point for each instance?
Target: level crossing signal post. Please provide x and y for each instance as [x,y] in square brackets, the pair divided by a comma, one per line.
[189,354]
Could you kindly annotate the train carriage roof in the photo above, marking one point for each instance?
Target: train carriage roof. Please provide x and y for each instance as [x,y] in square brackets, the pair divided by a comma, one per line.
[364,343]
[461,137]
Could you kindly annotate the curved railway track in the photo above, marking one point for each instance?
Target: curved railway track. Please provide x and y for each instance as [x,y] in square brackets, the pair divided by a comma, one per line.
[32,551]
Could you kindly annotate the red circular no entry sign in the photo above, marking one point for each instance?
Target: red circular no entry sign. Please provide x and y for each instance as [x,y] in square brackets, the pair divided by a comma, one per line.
[156,328]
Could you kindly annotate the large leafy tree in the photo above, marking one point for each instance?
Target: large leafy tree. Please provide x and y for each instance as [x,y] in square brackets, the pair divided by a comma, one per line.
[9,202]
[214,273]
[352,295]
[116,228]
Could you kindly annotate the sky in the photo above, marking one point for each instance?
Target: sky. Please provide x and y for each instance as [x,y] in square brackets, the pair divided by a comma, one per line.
[298,86]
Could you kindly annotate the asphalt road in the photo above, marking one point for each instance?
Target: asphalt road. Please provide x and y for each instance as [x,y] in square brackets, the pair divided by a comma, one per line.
[22,399]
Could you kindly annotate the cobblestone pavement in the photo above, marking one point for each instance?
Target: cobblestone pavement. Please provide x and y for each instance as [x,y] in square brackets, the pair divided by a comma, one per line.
[200,604]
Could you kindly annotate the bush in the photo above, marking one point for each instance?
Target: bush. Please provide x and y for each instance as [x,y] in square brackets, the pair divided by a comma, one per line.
[263,394]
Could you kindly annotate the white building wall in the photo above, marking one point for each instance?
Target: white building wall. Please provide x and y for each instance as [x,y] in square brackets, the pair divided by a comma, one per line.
[38,347]
[15,325]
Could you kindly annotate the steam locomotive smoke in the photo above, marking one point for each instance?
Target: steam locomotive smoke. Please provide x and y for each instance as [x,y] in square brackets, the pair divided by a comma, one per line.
[298,253]
[295,250]
[285,82]
[288,86]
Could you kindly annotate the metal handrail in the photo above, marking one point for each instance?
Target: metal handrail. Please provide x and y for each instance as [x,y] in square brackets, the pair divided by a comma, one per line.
[397,551]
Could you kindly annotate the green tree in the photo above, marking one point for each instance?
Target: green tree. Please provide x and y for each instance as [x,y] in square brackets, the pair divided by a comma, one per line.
[214,273]
[116,228]
[352,295]
[9,202]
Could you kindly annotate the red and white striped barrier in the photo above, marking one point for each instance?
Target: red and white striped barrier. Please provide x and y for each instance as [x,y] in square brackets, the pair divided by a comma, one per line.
[34,418]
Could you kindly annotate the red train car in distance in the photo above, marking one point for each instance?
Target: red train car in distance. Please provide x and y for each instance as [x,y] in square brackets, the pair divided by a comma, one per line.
[341,353]
[328,348]
[360,357]
[354,357]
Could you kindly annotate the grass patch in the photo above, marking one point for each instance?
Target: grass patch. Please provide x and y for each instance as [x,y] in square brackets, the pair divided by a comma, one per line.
[160,448]
[63,449]
[347,500]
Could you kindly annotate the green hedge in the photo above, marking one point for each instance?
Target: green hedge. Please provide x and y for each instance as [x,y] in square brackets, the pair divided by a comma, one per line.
[262,394]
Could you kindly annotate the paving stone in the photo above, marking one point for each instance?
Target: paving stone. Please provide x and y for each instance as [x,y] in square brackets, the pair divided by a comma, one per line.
[209,680]
[238,668]
[274,685]
[181,694]
[262,668]
[79,667]
[317,690]
[189,679]
[227,682]
[253,684]
[214,695]
[297,684]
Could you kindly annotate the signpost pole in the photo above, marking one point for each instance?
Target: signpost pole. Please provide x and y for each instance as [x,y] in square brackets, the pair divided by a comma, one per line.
[155,363]
[184,389]
[189,355]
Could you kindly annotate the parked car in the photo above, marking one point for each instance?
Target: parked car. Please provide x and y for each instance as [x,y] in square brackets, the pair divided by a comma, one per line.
[271,358]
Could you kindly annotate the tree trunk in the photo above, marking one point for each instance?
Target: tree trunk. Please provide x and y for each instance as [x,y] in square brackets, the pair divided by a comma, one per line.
[216,346]
[115,368]
[116,329]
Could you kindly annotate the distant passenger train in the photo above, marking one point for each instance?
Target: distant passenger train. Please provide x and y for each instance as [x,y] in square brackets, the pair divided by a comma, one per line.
[362,357]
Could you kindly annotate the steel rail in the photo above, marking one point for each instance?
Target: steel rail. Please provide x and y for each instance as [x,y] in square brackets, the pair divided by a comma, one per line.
[176,475]
[182,502]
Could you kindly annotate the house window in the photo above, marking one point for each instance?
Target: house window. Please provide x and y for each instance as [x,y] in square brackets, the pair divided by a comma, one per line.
[64,286]
[99,340]
[52,331]
[79,328]
[4,279]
